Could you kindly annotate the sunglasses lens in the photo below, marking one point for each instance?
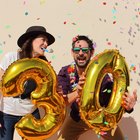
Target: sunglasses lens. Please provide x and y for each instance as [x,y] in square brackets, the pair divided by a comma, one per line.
[84,50]
[76,49]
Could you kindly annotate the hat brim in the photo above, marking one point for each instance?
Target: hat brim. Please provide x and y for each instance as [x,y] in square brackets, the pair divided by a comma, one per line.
[22,39]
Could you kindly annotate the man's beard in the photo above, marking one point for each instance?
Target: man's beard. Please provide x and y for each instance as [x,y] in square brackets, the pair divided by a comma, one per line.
[84,65]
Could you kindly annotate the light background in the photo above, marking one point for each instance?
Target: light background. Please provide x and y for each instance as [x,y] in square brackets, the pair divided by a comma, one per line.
[110,23]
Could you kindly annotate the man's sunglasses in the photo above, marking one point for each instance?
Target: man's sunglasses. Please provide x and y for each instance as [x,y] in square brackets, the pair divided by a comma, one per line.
[84,50]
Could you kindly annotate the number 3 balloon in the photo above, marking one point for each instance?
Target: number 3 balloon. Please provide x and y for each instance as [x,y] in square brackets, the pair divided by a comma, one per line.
[44,96]
[97,117]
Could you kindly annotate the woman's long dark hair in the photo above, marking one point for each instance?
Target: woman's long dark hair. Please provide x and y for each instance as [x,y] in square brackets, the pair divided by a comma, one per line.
[26,50]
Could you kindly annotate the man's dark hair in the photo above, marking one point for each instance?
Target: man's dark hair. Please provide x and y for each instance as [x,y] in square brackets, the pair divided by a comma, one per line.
[82,37]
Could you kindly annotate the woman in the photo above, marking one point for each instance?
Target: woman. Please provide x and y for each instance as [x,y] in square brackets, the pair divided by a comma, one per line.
[32,43]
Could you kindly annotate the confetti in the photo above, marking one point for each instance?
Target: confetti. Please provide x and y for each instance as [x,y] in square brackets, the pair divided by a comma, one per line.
[9,36]
[73,23]
[106,123]
[26,13]
[24,2]
[114,17]
[7,26]
[1,51]
[114,11]
[49,62]
[114,22]
[138,82]
[132,67]
[105,90]
[116,4]
[109,43]
[126,137]
[42,2]
[104,3]
[103,133]
[65,22]
[79,0]
[122,90]
[108,91]
[98,136]
[96,62]
[53,57]
[38,19]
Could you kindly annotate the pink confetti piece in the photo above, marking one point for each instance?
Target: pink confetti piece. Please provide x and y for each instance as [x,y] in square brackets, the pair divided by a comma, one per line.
[103,133]
[109,43]
[65,22]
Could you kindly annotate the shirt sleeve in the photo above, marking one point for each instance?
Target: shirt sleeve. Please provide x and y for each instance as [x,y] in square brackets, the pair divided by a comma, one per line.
[7,60]
[4,63]
[105,91]
[64,80]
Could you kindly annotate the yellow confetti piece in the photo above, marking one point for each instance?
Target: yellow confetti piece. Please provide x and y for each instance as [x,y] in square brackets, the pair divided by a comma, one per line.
[42,2]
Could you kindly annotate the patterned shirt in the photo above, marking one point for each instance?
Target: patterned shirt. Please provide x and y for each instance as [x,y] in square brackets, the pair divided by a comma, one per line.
[68,78]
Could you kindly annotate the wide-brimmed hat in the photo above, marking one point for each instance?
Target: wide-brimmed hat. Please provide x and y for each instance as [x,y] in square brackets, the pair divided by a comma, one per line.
[34,31]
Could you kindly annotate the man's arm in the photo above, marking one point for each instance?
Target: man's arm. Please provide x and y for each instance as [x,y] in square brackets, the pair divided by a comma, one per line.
[64,81]
[128,101]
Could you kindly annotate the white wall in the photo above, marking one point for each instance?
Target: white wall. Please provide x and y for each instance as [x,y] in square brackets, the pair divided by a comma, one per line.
[115,22]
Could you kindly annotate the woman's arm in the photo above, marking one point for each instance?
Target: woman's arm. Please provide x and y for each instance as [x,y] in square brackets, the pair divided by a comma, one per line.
[1,74]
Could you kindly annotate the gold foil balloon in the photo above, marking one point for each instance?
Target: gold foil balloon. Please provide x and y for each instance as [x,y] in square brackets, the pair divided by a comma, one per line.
[44,96]
[95,116]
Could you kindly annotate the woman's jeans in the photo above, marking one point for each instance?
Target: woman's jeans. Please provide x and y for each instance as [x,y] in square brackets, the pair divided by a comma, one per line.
[8,124]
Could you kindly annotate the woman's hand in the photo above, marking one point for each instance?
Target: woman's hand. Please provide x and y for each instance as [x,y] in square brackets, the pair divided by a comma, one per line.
[129,101]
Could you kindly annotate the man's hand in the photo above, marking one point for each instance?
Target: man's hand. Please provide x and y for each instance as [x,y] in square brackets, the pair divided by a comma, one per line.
[59,90]
[129,101]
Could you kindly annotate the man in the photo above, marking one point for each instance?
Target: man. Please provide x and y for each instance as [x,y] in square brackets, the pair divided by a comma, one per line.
[72,78]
